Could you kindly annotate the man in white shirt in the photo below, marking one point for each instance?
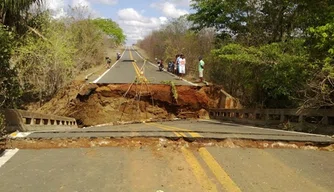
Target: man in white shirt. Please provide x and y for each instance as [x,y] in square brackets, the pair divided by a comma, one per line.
[182,67]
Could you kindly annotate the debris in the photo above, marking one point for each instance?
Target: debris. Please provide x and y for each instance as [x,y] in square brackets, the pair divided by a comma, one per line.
[156,143]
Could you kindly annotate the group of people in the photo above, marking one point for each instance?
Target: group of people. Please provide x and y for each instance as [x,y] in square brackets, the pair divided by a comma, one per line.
[178,66]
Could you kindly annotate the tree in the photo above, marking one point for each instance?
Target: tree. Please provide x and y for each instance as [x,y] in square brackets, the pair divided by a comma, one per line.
[111,28]
[9,87]
[176,38]
[14,12]
[268,76]
[47,64]
[255,22]
[320,92]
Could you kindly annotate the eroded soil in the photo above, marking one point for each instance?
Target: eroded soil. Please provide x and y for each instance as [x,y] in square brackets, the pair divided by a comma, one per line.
[157,143]
[94,104]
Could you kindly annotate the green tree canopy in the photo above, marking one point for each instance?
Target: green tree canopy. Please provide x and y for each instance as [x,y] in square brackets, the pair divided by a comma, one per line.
[9,87]
[268,76]
[320,92]
[257,22]
[111,28]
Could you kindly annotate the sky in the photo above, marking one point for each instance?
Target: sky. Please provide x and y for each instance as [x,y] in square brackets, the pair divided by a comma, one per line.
[137,18]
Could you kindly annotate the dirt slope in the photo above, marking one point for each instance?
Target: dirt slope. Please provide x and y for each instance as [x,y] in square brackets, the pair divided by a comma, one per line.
[93,104]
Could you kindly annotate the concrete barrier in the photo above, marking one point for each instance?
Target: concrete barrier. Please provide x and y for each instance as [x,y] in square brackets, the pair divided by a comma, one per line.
[20,120]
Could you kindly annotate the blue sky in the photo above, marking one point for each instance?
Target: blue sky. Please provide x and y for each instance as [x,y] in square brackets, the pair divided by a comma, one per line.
[137,18]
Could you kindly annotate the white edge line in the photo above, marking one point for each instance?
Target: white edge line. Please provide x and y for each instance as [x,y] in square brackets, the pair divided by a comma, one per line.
[7,154]
[164,70]
[99,78]
[253,127]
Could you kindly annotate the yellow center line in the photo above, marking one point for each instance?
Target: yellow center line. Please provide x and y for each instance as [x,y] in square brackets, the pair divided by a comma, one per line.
[218,171]
[141,74]
[198,171]
[176,133]
[167,128]
[133,63]
[214,166]
[138,71]
[193,134]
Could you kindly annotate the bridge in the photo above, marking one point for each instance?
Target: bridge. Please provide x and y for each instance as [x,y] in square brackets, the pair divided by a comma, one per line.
[227,152]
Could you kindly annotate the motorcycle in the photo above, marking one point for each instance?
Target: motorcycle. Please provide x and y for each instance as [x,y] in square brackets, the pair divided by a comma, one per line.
[170,67]
[161,66]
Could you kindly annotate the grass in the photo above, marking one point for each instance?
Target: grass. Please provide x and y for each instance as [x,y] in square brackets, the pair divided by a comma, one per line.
[173,89]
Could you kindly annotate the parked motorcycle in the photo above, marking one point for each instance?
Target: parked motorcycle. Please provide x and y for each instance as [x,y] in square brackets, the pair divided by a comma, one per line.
[170,67]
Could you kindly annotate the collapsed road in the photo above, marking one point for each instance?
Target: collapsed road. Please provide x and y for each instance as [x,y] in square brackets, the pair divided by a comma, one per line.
[155,154]
[132,91]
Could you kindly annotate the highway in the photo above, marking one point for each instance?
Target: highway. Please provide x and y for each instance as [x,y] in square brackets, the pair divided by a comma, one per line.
[131,65]
[168,156]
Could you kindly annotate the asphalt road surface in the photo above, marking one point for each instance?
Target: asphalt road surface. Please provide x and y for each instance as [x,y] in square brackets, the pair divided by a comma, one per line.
[170,168]
[132,64]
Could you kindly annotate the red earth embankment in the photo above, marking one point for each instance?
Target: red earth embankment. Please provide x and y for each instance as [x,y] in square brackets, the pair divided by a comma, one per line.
[93,104]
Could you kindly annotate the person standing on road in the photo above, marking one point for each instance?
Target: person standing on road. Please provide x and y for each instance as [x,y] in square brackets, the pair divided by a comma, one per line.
[182,66]
[108,60]
[201,69]
[177,63]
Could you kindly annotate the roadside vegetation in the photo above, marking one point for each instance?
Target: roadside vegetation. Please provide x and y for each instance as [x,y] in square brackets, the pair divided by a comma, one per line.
[40,54]
[268,54]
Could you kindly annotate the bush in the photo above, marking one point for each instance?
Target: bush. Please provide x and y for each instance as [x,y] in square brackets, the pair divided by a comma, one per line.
[272,75]
[9,87]
[48,60]
[45,65]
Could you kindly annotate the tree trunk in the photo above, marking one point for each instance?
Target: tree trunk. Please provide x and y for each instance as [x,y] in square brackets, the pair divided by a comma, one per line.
[278,29]
[2,17]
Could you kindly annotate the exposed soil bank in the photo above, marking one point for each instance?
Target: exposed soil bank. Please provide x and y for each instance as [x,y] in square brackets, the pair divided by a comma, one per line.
[93,104]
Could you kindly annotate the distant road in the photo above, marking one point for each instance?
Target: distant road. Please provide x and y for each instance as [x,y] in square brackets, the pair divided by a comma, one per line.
[125,71]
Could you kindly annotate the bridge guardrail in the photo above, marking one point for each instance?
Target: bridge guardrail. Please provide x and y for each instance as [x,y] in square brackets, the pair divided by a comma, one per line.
[275,116]
[20,120]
